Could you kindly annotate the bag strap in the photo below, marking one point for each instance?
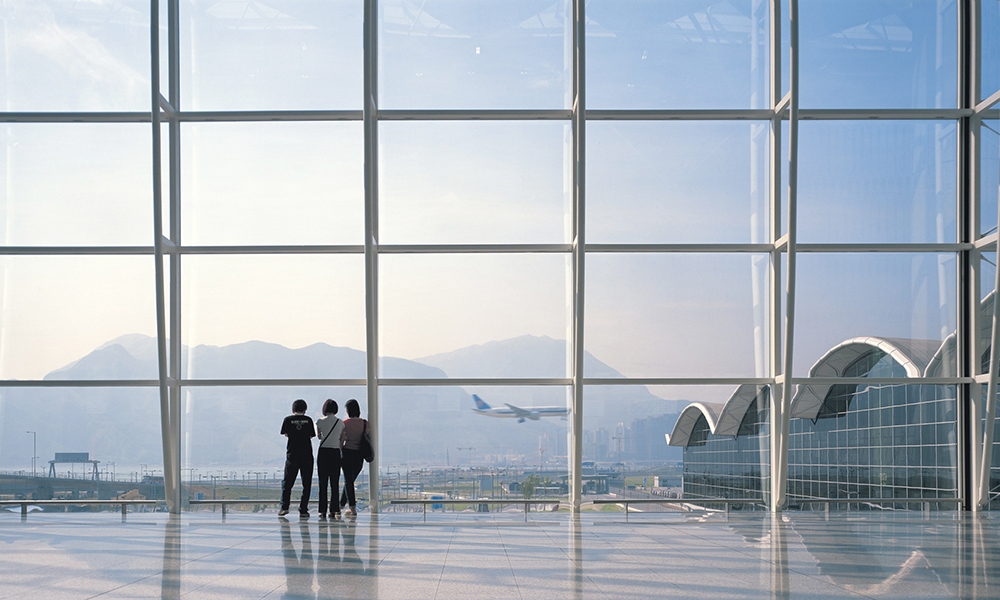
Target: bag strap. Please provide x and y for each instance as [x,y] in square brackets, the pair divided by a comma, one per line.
[327,436]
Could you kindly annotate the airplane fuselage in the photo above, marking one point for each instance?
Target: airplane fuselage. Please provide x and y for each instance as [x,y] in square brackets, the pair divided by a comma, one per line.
[516,412]
[533,413]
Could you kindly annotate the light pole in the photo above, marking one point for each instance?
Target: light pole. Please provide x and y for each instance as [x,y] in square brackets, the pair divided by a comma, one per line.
[257,475]
[34,450]
[470,449]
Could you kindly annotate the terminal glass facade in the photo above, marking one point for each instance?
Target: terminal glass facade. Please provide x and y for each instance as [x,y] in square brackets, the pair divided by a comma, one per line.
[732,467]
[877,441]
[606,209]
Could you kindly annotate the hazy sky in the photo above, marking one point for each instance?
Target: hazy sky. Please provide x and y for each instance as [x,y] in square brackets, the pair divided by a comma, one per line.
[479,182]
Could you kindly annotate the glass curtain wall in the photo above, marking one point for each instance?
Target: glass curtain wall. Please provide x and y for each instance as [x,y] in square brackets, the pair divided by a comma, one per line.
[523,235]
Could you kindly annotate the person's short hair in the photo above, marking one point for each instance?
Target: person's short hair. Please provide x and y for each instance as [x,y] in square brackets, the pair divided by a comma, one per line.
[299,406]
[330,407]
[353,409]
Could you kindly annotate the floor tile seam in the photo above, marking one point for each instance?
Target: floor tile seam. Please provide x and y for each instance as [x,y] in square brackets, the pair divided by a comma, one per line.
[576,563]
[71,577]
[556,544]
[123,586]
[395,544]
[232,571]
[510,565]
[205,555]
[772,564]
[701,561]
[444,565]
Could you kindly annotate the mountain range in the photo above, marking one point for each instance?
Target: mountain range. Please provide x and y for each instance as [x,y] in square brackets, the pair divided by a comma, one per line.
[234,426]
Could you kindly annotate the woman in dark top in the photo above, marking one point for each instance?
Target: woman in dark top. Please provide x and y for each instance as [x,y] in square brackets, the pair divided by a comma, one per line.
[350,447]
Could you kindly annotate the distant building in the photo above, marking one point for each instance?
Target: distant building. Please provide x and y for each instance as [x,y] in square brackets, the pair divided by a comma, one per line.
[846,441]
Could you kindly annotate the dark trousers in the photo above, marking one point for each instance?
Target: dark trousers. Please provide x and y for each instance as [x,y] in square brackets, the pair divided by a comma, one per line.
[296,465]
[328,462]
[352,463]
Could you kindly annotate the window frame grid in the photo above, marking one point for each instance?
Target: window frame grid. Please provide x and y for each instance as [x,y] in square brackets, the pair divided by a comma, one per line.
[167,247]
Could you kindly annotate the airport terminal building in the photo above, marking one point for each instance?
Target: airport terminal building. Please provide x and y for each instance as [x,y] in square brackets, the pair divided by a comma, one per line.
[875,442]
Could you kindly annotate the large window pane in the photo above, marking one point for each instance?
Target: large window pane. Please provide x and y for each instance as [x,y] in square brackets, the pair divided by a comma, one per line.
[474,182]
[990,49]
[75,56]
[727,446]
[676,315]
[627,423]
[76,317]
[989,175]
[877,181]
[474,54]
[878,54]
[987,269]
[76,184]
[273,183]
[435,426]
[474,315]
[676,182]
[874,441]
[230,429]
[285,316]
[281,55]
[677,55]
[117,427]
[908,299]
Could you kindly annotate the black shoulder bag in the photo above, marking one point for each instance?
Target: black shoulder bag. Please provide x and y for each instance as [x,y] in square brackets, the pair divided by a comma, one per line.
[365,448]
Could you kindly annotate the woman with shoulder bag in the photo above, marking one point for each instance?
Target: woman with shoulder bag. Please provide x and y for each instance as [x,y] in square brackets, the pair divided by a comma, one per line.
[352,440]
[329,429]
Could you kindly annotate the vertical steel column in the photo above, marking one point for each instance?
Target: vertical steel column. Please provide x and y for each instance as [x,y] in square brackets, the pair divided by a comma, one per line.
[983,479]
[170,482]
[973,72]
[781,477]
[760,207]
[968,344]
[774,326]
[371,235]
[579,250]
[174,338]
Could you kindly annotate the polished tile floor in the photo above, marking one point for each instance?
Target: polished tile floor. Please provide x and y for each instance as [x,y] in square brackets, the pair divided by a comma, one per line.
[554,556]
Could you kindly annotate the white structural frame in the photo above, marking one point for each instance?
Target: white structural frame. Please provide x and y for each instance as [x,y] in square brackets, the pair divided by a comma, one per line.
[167,250]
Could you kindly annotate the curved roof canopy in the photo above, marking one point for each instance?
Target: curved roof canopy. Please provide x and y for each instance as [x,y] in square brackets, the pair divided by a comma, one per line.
[945,360]
[912,355]
[927,358]
[688,418]
[722,420]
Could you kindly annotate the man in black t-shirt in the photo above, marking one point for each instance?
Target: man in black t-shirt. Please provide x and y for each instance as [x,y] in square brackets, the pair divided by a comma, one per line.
[299,429]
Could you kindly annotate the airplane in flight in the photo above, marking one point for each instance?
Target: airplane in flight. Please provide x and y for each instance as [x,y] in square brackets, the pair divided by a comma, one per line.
[514,412]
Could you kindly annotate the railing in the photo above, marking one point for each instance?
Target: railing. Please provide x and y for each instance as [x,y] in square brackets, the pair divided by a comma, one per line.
[24,504]
[473,501]
[728,502]
[876,502]
[247,501]
[225,503]
[626,501]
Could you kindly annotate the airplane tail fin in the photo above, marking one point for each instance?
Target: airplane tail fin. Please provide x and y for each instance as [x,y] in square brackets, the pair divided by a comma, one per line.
[479,403]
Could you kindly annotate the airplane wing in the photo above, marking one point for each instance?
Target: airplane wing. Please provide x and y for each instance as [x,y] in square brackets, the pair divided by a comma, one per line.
[521,413]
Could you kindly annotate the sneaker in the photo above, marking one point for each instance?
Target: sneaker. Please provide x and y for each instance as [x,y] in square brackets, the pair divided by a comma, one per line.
[282,512]
[304,514]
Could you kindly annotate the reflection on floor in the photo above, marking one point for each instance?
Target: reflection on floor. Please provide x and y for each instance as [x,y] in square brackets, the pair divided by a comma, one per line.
[797,555]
